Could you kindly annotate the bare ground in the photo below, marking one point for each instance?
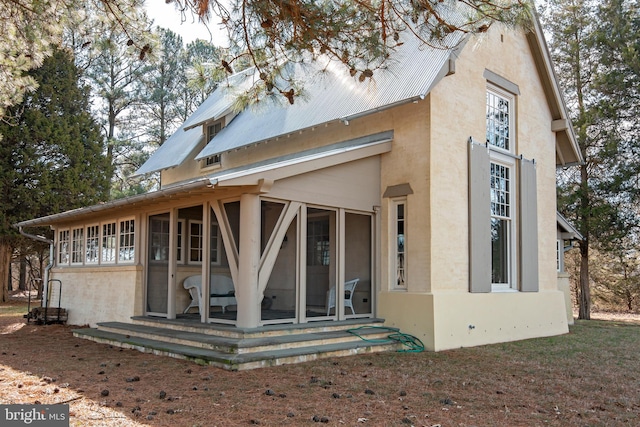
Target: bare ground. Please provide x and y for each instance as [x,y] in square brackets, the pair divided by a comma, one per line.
[589,377]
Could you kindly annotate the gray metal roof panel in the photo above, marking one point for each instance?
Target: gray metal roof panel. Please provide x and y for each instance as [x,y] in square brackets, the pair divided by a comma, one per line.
[174,150]
[332,94]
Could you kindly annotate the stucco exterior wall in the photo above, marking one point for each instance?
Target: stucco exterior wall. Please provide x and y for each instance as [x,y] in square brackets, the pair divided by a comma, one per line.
[100,294]
[438,307]
[564,286]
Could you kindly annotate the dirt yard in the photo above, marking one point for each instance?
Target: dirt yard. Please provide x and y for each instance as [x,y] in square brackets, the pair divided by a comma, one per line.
[588,377]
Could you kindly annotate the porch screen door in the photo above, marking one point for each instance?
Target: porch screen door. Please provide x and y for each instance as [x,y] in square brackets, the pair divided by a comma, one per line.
[158,265]
[321,265]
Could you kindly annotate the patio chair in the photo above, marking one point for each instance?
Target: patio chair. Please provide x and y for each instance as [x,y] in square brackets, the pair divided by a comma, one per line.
[222,292]
[349,290]
[192,284]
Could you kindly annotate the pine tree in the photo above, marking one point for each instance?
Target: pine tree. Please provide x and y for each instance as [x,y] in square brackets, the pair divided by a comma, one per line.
[51,154]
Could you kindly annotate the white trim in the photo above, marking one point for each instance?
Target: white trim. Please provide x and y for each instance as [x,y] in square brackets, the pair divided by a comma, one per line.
[190,248]
[397,271]
[86,244]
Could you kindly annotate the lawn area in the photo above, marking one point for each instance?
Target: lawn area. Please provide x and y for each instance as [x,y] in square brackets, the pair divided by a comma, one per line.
[589,377]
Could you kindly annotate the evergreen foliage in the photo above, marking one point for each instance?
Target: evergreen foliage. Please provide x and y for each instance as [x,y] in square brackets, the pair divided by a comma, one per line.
[595,47]
[52,152]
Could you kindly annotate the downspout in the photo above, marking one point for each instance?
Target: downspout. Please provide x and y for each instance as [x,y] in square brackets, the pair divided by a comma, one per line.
[45,279]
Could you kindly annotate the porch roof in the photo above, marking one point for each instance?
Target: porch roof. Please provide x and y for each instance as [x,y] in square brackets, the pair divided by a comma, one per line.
[250,175]
[137,200]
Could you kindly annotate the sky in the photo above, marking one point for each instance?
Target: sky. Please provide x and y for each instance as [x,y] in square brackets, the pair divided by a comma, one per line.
[166,16]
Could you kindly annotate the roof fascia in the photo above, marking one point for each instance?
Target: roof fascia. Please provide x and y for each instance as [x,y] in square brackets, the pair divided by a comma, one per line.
[307,161]
[153,196]
[566,141]
[567,228]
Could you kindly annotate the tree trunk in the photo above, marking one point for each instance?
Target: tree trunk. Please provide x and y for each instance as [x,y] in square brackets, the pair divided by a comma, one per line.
[584,296]
[22,281]
[5,261]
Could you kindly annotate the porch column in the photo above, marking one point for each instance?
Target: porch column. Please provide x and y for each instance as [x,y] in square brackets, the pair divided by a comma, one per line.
[173,264]
[249,262]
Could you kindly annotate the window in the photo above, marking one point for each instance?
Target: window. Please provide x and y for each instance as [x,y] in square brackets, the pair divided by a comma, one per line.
[215,243]
[213,130]
[77,246]
[180,237]
[159,239]
[399,243]
[108,242]
[318,241]
[195,241]
[501,224]
[498,120]
[63,247]
[211,161]
[502,188]
[93,244]
[97,244]
[126,248]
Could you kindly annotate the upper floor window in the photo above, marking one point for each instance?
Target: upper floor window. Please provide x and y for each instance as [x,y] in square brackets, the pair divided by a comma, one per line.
[213,129]
[500,138]
[499,120]
[210,161]
[214,160]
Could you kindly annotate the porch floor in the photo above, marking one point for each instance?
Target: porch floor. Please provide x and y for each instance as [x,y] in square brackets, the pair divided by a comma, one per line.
[232,348]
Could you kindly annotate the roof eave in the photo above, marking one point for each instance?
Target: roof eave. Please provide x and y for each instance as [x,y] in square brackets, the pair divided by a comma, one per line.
[565,137]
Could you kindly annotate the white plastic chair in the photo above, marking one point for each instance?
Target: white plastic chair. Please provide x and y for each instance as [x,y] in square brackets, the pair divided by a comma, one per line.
[192,284]
[222,292]
[349,290]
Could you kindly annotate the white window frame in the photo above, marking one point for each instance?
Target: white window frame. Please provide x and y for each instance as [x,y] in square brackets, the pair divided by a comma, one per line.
[495,92]
[126,241]
[92,244]
[560,255]
[504,157]
[114,242]
[180,252]
[398,253]
[199,244]
[77,246]
[215,160]
[64,246]
[217,244]
[109,242]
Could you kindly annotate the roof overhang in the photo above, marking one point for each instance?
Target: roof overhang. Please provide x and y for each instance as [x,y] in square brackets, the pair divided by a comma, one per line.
[567,230]
[260,174]
[567,149]
[139,200]
[306,161]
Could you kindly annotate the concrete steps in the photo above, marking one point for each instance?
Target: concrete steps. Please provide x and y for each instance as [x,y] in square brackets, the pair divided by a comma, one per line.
[240,349]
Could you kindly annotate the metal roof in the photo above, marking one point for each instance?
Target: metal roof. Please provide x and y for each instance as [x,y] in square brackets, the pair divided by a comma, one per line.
[330,94]
[174,150]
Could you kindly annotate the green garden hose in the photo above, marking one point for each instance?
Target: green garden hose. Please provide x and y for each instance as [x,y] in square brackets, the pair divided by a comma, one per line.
[411,344]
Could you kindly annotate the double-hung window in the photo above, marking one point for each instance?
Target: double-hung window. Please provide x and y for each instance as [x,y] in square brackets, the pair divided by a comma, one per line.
[499,138]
